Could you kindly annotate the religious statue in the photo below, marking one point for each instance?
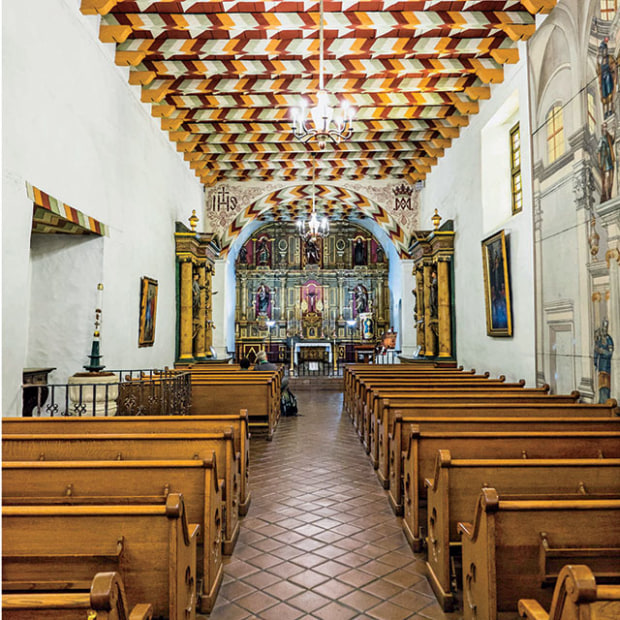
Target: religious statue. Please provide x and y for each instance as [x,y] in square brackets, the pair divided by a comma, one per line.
[603,351]
[243,255]
[606,162]
[196,294]
[262,253]
[432,298]
[606,77]
[312,252]
[359,253]
[361,299]
[263,296]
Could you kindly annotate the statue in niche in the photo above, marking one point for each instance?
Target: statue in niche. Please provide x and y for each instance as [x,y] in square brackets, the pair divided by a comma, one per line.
[606,162]
[606,77]
[432,298]
[243,255]
[380,254]
[196,293]
[263,296]
[360,295]
[312,251]
[359,253]
[603,351]
[262,253]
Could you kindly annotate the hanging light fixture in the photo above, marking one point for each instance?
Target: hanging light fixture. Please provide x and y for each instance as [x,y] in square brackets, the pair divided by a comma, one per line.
[314,228]
[325,126]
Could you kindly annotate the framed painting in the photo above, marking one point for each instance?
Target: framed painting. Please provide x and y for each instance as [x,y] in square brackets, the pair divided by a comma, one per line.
[148,312]
[497,295]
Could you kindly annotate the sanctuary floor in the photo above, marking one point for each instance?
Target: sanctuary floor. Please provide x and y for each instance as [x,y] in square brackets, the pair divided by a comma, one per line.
[320,540]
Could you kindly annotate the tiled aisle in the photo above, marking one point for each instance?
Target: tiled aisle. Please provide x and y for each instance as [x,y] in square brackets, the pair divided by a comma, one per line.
[320,540]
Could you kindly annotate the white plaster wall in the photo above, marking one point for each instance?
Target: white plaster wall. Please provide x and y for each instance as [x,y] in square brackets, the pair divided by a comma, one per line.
[455,188]
[76,129]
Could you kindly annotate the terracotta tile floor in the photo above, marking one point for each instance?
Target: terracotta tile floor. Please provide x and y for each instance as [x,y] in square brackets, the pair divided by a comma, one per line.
[320,540]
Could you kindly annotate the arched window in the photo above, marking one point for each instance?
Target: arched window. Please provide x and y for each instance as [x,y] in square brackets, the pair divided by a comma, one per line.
[555,133]
[608,9]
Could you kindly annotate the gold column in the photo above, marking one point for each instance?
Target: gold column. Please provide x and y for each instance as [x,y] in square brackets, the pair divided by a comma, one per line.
[185,321]
[419,315]
[380,304]
[340,300]
[209,309]
[443,307]
[428,333]
[200,341]
[244,297]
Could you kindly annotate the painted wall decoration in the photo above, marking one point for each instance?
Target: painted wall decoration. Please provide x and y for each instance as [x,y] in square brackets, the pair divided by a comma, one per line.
[148,312]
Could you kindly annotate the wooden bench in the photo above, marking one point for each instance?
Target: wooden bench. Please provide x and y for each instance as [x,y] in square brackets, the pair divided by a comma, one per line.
[503,559]
[393,443]
[131,482]
[105,599]
[158,562]
[420,458]
[577,596]
[454,488]
[385,402]
[140,447]
[257,392]
[151,424]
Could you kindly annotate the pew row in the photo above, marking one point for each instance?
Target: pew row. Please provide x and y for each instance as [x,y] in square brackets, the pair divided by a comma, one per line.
[140,447]
[105,599]
[454,488]
[158,563]
[393,432]
[131,483]
[151,424]
[419,461]
[503,558]
[577,596]
[257,392]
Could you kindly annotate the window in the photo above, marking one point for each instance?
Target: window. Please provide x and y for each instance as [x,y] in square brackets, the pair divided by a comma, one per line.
[608,9]
[591,114]
[515,169]
[555,133]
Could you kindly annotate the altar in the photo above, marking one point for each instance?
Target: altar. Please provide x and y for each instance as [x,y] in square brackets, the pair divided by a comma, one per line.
[317,344]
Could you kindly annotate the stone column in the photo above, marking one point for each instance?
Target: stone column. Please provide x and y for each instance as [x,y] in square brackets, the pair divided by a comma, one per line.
[443,307]
[200,341]
[428,333]
[185,321]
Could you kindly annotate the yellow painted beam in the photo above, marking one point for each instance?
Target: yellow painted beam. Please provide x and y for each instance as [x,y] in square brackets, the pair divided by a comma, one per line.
[486,74]
[142,78]
[519,32]
[505,55]
[478,92]
[97,7]
[464,107]
[132,59]
[114,33]
[458,121]
[171,124]
[449,132]
[162,111]
[539,6]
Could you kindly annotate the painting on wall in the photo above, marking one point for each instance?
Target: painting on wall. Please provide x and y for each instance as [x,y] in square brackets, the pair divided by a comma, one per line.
[148,310]
[497,285]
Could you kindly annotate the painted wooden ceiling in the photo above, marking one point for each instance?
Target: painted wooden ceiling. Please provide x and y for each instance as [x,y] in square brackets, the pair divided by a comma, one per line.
[223,77]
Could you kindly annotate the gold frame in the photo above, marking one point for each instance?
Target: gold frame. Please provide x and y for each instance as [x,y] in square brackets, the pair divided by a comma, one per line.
[146,332]
[498,303]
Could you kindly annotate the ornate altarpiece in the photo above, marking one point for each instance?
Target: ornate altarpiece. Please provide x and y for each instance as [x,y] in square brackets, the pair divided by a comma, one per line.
[311,291]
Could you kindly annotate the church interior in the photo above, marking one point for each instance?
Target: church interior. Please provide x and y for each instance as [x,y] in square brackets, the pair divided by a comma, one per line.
[406,215]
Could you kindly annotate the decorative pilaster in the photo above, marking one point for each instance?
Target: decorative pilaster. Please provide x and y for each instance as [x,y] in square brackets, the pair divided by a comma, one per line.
[200,340]
[419,307]
[186,315]
[428,333]
[443,307]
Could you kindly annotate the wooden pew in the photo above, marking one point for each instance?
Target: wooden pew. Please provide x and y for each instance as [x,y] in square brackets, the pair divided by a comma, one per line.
[258,392]
[158,563]
[394,443]
[104,600]
[577,596]
[420,457]
[454,488]
[503,559]
[140,447]
[378,418]
[131,482]
[238,423]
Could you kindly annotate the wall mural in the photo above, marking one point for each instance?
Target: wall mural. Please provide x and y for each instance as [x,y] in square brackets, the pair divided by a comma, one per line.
[230,207]
[578,308]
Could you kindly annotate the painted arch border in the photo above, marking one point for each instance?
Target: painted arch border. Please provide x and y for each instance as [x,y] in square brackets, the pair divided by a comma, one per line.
[370,208]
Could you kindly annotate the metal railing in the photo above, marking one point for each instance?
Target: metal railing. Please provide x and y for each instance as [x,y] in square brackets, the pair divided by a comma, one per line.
[124,392]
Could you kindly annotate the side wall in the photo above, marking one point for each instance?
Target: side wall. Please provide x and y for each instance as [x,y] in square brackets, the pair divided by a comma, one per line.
[74,128]
[459,187]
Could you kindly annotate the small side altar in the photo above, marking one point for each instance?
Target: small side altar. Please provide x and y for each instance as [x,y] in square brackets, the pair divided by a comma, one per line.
[315,351]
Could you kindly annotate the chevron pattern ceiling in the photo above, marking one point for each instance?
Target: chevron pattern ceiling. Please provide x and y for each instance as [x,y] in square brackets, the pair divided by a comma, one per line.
[223,76]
